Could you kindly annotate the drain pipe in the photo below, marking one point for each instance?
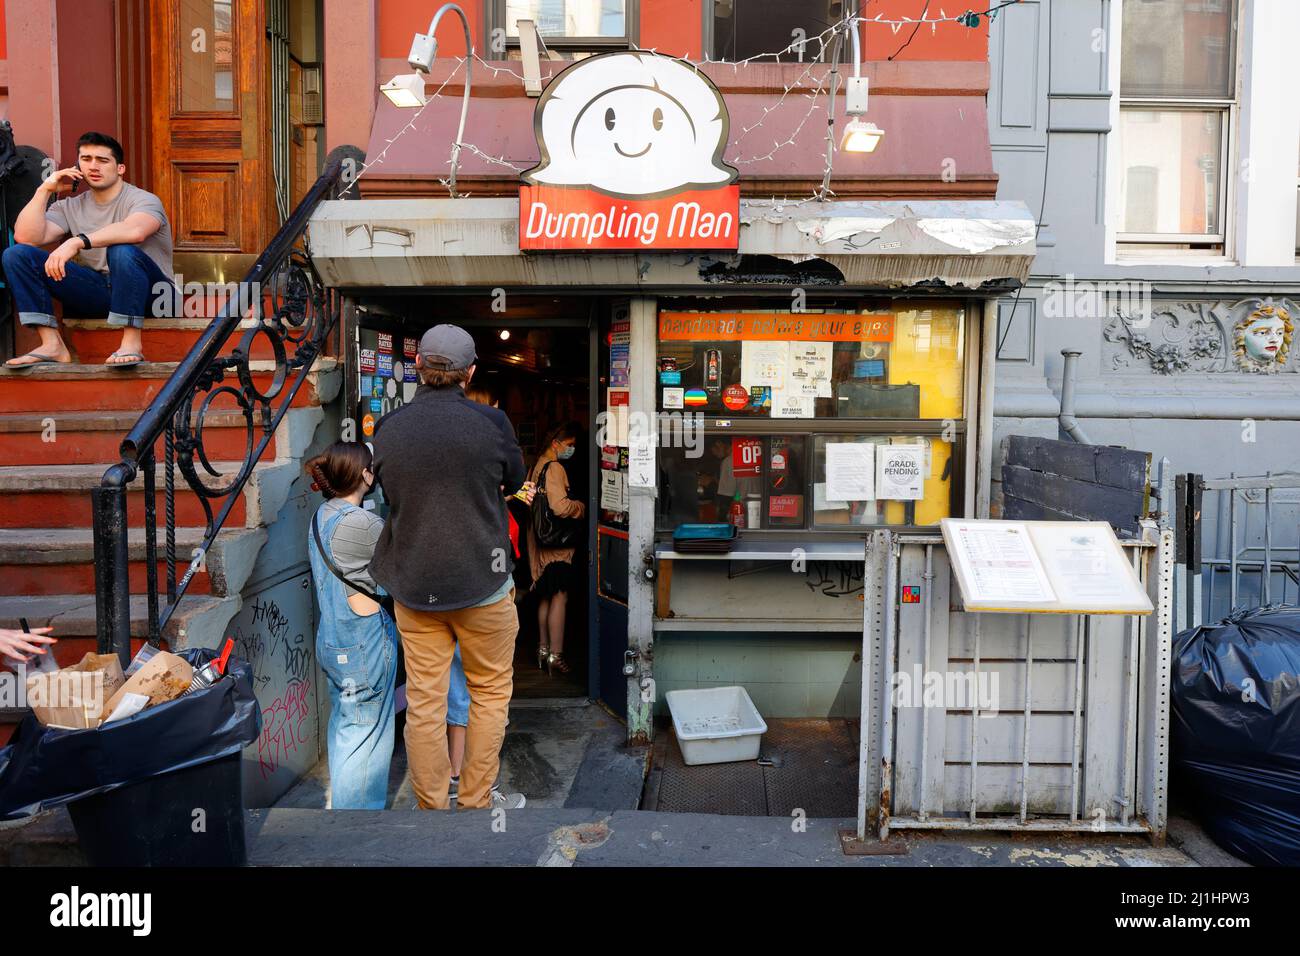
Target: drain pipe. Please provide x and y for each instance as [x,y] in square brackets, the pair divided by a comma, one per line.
[1069,424]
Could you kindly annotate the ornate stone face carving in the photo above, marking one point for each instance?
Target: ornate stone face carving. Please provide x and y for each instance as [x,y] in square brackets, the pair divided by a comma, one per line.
[1252,335]
[1263,339]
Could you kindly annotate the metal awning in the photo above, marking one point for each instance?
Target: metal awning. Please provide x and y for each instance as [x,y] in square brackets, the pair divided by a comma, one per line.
[957,245]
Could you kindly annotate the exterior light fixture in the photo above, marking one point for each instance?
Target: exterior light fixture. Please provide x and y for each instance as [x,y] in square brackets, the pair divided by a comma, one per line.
[424,50]
[505,334]
[405,90]
[861,136]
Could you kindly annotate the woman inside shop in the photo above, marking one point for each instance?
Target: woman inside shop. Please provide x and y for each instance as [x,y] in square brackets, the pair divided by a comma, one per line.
[552,562]
[356,640]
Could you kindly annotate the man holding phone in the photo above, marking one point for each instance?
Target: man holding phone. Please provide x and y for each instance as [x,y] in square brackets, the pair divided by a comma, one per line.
[115,256]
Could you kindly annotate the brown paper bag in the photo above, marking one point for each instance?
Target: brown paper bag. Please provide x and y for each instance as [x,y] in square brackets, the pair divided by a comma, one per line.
[75,697]
[165,677]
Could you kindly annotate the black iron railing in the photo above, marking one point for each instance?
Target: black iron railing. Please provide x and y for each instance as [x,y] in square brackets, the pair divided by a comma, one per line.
[294,310]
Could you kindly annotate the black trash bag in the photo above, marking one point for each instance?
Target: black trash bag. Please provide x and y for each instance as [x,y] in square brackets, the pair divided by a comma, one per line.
[1236,731]
[46,767]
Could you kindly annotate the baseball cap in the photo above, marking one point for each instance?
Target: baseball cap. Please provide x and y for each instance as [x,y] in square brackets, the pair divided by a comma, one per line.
[447,347]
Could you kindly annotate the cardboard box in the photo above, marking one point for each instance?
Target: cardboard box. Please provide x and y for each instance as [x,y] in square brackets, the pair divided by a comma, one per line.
[75,697]
[165,677]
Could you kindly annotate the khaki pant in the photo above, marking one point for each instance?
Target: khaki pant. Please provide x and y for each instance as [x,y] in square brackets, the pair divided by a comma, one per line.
[487,648]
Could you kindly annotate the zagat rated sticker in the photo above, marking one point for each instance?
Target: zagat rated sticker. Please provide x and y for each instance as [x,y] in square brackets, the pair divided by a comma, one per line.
[367,360]
[735,397]
[410,347]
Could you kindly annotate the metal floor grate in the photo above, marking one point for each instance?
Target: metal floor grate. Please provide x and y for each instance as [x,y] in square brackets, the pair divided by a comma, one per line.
[813,767]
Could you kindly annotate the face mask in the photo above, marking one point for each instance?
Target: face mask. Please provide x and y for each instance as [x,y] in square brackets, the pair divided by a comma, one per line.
[565,453]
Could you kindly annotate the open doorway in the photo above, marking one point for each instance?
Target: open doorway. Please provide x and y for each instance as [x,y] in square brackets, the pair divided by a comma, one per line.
[535,362]
[538,375]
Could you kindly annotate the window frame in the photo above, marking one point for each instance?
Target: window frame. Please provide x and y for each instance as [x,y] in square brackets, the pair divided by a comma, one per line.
[708,36]
[961,431]
[1230,109]
[495,12]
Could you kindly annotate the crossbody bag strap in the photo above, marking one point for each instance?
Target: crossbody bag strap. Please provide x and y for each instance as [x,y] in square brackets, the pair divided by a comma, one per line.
[338,573]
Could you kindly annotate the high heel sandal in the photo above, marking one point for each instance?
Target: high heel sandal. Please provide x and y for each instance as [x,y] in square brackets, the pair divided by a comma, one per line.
[542,655]
[555,663]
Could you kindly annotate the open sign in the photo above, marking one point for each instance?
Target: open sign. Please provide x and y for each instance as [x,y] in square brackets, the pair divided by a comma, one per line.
[746,457]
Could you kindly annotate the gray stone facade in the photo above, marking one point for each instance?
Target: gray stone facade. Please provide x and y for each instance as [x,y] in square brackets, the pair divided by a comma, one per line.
[1165,367]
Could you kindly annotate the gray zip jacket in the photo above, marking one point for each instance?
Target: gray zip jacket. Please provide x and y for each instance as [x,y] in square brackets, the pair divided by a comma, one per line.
[445,463]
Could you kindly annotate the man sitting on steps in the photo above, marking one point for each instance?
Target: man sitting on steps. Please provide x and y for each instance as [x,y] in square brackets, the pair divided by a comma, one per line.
[121,242]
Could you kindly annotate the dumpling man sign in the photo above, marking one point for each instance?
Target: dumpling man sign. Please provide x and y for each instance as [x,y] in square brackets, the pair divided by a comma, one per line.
[631,159]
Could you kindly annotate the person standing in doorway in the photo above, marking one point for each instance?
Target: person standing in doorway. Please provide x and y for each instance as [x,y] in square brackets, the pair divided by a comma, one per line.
[356,640]
[552,567]
[446,463]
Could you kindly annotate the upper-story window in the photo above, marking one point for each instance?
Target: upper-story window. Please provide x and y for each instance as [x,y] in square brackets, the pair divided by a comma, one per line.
[1178,98]
[570,28]
[746,28]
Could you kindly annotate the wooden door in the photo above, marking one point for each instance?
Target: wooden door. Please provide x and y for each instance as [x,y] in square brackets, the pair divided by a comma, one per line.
[209,125]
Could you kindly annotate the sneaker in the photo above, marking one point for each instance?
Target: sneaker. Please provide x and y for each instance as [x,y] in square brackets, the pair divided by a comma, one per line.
[507,801]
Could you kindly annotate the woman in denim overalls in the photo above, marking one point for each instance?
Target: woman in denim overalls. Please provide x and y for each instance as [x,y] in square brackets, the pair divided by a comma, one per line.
[356,639]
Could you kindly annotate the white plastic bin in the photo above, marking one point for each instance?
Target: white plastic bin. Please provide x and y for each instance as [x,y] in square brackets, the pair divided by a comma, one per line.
[715,724]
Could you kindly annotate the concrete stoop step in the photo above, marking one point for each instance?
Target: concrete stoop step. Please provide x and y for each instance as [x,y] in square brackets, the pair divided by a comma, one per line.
[73,546]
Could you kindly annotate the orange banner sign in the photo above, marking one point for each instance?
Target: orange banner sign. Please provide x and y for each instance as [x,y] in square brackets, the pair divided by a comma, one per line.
[774,326]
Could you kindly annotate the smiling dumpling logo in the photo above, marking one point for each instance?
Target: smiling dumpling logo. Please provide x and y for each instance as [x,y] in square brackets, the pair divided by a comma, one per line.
[631,125]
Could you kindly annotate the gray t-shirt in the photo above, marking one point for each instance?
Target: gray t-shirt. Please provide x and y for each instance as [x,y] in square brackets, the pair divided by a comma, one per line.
[352,544]
[82,214]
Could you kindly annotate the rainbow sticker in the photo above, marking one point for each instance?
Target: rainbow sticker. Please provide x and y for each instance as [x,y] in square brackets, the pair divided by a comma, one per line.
[696,396]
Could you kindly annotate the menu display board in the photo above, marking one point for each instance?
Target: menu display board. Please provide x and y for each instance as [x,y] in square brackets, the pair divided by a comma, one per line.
[1048,566]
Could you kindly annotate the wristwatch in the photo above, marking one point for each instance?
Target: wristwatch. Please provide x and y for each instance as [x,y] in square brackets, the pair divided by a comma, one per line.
[85,240]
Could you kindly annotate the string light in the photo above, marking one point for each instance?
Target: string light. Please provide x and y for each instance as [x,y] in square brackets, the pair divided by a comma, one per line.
[970,19]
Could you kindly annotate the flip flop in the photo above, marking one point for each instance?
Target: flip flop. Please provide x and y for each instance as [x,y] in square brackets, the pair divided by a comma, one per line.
[139,357]
[40,360]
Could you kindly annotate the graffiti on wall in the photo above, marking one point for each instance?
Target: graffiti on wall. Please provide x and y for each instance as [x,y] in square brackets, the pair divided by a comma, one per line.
[276,642]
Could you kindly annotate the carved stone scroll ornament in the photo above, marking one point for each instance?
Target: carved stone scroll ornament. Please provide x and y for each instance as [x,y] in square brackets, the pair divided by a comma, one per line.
[1252,335]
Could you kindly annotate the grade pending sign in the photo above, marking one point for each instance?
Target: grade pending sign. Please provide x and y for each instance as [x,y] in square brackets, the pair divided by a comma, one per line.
[631,150]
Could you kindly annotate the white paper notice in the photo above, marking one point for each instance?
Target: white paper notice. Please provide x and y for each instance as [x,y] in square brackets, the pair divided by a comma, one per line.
[791,404]
[1088,567]
[674,398]
[616,426]
[822,503]
[810,368]
[641,463]
[850,471]
[998,561]
[900,472]
[613,491]
[764,363]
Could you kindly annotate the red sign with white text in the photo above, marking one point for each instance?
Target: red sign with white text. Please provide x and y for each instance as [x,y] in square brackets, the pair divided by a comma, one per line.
[746,457]
[555,218]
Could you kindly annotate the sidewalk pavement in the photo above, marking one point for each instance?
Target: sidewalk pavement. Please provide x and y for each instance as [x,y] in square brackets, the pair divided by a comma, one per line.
[583,787]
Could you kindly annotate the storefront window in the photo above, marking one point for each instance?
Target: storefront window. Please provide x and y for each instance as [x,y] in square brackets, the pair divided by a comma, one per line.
[723,375]
[881,479]
[898,364]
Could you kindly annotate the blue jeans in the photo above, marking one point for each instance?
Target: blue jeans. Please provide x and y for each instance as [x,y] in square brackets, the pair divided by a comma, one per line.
[132,288]
[361,678]
[457,693]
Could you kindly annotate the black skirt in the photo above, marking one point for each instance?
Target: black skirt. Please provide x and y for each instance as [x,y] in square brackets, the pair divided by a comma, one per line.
[556,577]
